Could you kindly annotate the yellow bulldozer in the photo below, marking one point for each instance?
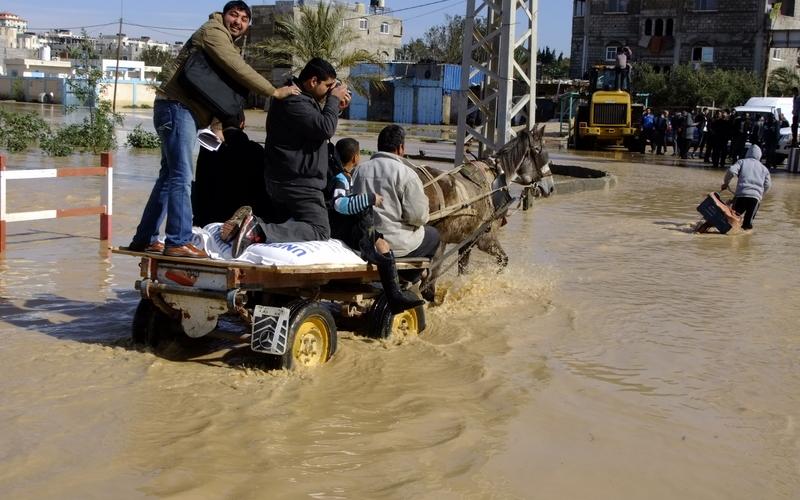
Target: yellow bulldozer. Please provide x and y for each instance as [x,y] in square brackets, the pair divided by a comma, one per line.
[607,115]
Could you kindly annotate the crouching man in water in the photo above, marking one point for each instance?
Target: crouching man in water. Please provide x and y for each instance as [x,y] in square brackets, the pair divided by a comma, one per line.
[352,221]
[403,215]
[754,181]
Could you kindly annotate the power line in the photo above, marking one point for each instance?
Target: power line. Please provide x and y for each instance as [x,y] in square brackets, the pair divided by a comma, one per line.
[75,27]
[434,11]
[160,27]
[394,11]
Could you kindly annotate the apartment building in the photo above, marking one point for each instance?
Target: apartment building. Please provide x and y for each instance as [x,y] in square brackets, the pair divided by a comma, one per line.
[729,34]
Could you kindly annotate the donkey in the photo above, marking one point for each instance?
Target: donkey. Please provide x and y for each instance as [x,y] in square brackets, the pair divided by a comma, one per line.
[475,194]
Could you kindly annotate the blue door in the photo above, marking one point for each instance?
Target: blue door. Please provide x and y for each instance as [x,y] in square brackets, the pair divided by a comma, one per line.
[404,104]
[429,105]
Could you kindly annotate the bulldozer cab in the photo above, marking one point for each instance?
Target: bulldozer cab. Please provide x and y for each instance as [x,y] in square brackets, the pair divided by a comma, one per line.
[609,78]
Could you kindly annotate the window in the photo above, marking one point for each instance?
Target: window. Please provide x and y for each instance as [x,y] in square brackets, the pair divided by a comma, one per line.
[787,8]
[384,27]
[777,54]
[670,27]
[705,4]
[611,53]
[648,27]
[617,6]
[362,23]
[703,54]
[659,27]
[579,8]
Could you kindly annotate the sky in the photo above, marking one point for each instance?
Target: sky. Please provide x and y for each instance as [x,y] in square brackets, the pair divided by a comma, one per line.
[182,17]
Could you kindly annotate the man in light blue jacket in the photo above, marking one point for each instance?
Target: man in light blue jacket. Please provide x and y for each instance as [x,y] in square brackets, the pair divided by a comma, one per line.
[754,181]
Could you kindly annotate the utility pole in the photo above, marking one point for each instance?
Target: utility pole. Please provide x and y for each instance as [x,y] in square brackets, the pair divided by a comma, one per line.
[116,71]
[510,27]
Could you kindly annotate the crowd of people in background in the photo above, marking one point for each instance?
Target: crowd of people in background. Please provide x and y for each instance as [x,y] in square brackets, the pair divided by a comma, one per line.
[718,137]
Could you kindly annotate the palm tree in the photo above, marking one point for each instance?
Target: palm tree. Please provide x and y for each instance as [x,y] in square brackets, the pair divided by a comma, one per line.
[781,81]
[319,31]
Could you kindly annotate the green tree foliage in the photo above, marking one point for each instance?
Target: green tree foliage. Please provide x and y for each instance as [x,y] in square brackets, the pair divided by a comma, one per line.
[19,131]
[686,86]
[551,66]
[155,56]
[141,138]
[318,31]
[441,44]
[781,81]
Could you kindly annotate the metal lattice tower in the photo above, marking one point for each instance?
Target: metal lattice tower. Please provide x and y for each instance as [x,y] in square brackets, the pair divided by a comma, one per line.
[510,27]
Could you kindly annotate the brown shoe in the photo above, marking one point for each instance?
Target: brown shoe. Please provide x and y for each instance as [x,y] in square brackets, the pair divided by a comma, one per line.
[155,247]
[187,250]
[231,226]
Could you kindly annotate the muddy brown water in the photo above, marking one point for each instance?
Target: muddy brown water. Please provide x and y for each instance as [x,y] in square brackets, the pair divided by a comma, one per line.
[619,356]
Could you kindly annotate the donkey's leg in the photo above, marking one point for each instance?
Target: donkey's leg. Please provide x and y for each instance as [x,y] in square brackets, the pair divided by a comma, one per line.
[463,259]
[489,244]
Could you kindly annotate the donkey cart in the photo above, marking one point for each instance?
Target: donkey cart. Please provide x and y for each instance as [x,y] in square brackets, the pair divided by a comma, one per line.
[282,310]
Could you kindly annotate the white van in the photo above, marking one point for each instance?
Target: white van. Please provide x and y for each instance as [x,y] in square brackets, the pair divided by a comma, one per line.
[774,106]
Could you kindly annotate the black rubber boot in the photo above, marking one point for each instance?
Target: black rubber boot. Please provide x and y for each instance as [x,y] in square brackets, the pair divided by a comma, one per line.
[398,299]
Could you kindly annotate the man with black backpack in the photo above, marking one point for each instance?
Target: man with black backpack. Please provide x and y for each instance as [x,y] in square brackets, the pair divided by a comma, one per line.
[178,112]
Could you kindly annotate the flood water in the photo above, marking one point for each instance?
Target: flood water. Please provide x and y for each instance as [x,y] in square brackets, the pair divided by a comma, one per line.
[619,356]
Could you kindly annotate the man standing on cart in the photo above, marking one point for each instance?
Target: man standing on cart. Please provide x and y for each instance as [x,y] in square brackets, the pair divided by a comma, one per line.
[177,114]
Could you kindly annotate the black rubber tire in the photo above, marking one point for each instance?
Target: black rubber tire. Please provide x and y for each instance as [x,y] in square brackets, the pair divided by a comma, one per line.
[382,321]
[141,320]
[312,336]
[160,328]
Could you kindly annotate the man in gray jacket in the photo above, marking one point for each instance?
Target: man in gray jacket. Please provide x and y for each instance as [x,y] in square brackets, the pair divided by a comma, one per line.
[402,217]
[754,181]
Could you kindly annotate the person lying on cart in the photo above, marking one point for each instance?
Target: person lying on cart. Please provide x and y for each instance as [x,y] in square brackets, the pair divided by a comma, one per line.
[352,221]
[754,181]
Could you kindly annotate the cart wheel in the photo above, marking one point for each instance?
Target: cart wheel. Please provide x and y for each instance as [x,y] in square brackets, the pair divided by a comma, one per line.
[141,319]
[151,327]
[384,324]
[312,336]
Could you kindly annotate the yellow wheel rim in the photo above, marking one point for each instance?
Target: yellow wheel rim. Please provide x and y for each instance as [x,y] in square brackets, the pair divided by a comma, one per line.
[311,342]
[405,323]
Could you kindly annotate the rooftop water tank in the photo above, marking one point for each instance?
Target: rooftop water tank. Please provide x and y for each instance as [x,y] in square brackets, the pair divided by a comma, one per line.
[44,53]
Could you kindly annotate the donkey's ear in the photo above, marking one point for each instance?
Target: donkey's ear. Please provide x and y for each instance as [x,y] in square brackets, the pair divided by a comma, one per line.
[540,132]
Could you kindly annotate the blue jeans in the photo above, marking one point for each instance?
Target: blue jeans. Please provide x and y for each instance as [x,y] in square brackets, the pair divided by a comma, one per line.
[171,195]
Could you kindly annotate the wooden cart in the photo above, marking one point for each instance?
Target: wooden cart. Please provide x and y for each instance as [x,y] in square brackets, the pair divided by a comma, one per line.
[286,311]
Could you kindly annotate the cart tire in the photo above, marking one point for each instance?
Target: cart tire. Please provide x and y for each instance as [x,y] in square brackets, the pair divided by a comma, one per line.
[385,324]
[159,329]
[312,336]
[141,320]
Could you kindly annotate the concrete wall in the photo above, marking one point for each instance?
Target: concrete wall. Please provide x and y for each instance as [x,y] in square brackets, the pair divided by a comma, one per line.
[128,93]
[33,87]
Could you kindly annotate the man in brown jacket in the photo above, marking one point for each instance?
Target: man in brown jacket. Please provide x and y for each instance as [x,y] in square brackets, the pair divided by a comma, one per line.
[177,114]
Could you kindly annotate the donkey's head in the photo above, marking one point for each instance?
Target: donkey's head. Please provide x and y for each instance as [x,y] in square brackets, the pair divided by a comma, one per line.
[526,162]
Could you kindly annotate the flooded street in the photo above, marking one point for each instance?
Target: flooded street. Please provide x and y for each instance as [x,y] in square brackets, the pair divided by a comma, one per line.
[619,356]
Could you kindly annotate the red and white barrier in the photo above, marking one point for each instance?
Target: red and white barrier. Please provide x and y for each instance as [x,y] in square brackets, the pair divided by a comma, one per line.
[104,209]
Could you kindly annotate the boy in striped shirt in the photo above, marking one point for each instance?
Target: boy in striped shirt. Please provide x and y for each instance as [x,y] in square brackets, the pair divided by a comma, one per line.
[352,221]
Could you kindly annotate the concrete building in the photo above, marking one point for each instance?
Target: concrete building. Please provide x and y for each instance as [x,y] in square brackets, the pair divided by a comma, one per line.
[378,31]
[729,34]
[131,48]
[37,68]
[9,20]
